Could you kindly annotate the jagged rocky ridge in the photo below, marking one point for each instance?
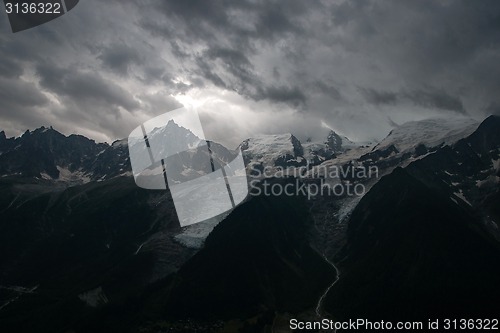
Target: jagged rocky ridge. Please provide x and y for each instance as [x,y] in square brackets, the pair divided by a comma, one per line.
[47,154]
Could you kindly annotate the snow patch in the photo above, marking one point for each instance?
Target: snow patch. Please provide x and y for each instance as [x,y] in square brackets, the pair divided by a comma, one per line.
[347,208]
[268,148]
[45,176]
[460,195]
[194,235]
[120,143]
[496,164]
[66,175]
[430,132]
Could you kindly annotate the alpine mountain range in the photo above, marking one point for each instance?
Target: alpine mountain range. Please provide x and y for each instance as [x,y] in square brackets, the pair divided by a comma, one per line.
[83,249]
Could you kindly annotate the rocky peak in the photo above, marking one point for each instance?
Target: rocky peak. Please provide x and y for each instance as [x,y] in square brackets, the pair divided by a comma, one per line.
[487,135]
[297,146]
[334,141]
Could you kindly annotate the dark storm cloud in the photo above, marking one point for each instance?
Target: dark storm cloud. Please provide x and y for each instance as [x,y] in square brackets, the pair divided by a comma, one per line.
[282,94]
[379,97]
[20,101]
[152,73]
[427,98]
[359,65]
[436,99]
[119,57]
[238,72]
[240,76]
[177,50]
[235,60]
[78,73]
[202,20]
[417,41]
[218,24]
[277,18]
[20,94]
[437,32]
[84,86]
[10,68]
[452,44]
[205,70]
[327,89]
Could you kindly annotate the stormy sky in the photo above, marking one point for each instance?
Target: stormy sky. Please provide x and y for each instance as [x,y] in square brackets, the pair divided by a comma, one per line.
[251,67]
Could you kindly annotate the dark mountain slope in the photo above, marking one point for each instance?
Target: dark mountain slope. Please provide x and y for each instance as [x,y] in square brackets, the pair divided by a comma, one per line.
[468,172]
[257,259]
[69,243]
[413,253]
[255,263]
[467,166]
[487,136]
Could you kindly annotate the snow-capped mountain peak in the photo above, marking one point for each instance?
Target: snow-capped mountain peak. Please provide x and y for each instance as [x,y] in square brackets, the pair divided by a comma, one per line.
[429,132]
[272,149]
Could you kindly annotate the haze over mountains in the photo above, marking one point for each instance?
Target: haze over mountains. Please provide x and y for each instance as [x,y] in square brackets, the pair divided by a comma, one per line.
[83,248]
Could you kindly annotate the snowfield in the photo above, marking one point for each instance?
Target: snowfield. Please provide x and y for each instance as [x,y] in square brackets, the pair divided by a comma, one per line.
[430,132]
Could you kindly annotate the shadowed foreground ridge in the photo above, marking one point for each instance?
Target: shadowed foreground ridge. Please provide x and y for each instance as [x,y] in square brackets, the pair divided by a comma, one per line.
[412,253]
